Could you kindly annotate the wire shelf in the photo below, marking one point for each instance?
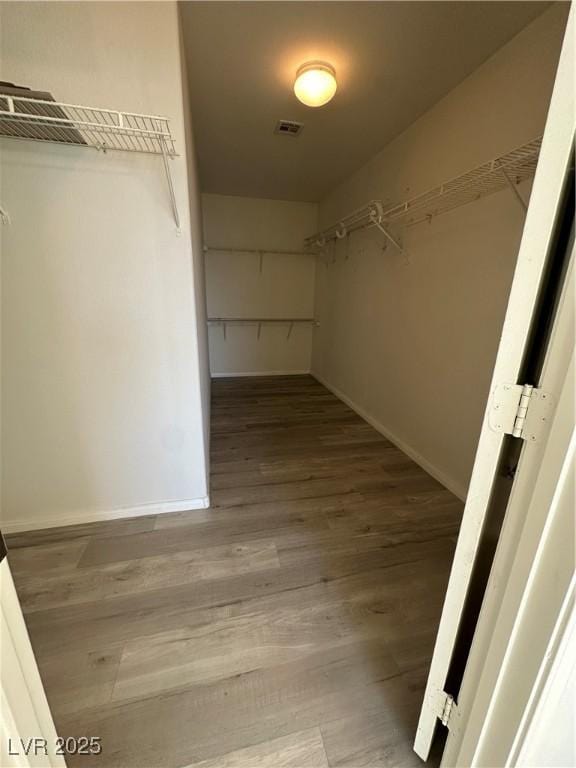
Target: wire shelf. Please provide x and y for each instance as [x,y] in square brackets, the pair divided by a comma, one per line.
[508,170]
[511,168]
[258,320]
[358,219]
[257,251]
[46,120]
[104,129]
[223,322]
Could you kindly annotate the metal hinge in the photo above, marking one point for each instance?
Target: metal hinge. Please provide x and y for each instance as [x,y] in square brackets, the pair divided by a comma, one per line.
[447,705]
[520,410]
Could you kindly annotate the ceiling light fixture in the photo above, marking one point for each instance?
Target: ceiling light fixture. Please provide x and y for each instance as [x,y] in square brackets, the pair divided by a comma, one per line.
[315,83]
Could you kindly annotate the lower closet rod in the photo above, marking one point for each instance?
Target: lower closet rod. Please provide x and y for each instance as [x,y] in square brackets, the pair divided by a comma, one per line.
[261,320]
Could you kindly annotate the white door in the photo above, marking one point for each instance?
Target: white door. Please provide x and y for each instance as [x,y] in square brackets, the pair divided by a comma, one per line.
[534,276]
[27,733]
[511,711]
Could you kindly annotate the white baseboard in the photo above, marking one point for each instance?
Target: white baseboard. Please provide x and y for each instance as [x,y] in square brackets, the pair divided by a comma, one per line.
[234,375]
[436,473]
[144,510]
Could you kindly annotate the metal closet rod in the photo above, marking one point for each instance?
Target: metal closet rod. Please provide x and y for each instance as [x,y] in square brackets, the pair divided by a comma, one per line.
[370,215]
[262,320]
[266,251]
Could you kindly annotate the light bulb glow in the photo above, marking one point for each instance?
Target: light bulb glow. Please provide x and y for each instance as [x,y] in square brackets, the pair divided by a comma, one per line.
[315,84]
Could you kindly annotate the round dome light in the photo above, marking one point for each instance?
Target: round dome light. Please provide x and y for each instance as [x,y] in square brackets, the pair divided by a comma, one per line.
[315,83]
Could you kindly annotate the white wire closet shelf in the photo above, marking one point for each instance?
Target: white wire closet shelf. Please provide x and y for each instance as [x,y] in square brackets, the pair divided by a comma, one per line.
[42,120]
[508,170]
[260,321]
[258,251]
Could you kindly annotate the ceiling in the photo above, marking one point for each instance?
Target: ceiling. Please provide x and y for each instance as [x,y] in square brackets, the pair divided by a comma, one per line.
[393,61]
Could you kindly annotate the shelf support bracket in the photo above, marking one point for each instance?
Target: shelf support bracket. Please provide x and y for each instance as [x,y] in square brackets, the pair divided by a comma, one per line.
[376,214]
[170,183]
[514,189]
[388,236]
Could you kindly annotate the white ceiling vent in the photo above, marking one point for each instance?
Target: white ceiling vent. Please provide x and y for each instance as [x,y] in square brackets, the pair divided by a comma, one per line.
[288,128]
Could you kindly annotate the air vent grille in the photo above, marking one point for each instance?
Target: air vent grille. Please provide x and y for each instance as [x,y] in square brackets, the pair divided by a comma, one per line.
[288,128]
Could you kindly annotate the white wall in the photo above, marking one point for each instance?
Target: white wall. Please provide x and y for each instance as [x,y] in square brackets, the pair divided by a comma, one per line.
[237,288]
[101,360]
[412,346]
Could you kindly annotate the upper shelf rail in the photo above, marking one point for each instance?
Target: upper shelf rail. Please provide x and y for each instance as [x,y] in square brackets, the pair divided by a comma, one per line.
[508,170]
[513,167]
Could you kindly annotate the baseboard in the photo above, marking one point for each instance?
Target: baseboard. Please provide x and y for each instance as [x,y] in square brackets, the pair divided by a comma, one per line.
[258,373]
[448,482]
[158,508]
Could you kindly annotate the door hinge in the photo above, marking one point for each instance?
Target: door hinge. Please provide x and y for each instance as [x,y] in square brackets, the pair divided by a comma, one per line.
[447,705]
[520,410]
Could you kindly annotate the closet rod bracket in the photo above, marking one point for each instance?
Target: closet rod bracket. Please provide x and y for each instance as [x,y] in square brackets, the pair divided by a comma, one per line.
[376,215]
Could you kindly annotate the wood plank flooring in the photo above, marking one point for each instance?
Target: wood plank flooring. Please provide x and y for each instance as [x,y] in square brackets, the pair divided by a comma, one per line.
[289,626]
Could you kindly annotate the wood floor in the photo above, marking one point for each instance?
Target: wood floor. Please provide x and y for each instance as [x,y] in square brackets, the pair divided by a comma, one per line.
[289,626]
